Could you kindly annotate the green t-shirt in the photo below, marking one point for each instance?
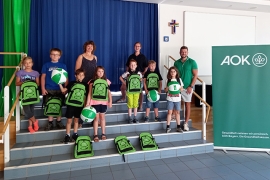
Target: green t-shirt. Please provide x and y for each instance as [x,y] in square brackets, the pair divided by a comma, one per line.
[185,70]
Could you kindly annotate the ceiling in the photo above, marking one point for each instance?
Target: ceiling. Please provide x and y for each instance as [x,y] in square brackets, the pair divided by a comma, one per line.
[245,5]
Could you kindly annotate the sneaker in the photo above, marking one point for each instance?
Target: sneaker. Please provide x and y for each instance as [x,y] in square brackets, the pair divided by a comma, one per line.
[75,136]
[130,121]
[36,127]
[49,127]
[31,130]
[186,128]
[60,125]
[179,130]
[168,130]
[157,119]
[136,121]
[146,119]
[67,139]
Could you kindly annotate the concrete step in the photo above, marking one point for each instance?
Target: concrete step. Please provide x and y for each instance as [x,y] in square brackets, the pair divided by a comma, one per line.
[111,128]
[116,107]
[56,146]
[28,167]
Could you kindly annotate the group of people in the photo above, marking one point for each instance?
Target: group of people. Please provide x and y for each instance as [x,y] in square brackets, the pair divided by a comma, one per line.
[140,75]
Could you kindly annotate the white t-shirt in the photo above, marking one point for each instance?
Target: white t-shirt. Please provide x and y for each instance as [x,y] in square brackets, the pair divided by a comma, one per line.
[175,97]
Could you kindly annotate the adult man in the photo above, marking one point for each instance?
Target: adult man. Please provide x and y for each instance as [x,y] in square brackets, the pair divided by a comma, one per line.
[142,66]
[188,70]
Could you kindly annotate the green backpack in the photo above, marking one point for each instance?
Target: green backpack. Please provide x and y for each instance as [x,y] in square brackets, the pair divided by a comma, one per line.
[147,141]
[29,93]
[53,106]
[83,147]
[134,84]
[76,96]
[100,90]
[123,146]
[152,81]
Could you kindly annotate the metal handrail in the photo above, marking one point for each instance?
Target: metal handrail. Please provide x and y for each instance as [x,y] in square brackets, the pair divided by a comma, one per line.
[202,100]
[8,113]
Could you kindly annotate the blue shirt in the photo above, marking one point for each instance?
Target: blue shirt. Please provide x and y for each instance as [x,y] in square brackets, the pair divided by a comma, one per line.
[47,69]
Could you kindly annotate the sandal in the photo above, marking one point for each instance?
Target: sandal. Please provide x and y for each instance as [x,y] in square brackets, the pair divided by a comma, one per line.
[96,139]
[121,100]
[103,137]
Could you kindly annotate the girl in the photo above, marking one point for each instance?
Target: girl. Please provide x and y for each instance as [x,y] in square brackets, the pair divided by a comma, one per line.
[25,75]
[98,96]
[173,90]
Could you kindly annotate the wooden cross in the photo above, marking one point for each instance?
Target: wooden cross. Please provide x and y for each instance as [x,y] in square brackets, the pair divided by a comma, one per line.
[173,24]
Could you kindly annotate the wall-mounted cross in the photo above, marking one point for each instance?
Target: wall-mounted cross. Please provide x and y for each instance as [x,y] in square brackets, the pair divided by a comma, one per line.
[173,25]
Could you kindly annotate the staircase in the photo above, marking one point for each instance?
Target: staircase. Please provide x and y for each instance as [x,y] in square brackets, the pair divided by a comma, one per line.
[43,153]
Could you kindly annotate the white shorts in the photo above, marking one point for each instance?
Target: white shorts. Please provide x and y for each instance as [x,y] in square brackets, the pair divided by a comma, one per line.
[185,96]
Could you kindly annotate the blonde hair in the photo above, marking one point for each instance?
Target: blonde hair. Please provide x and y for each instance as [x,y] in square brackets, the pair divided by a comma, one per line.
[26,58]
[151,62]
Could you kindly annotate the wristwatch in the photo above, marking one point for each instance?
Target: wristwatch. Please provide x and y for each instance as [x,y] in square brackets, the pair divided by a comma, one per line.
[191,86]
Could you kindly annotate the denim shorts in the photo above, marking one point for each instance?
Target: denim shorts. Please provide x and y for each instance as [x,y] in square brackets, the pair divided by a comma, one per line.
[174,105]
[149,104]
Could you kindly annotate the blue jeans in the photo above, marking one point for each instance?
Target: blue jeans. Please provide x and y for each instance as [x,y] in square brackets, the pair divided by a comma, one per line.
[174,105]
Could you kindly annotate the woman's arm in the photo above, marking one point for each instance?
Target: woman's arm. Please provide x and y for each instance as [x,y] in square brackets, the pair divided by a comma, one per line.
[78,62]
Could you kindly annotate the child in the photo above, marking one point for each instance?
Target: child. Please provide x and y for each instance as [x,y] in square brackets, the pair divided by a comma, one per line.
[77,90]
[133,84]
[173,89]
[50,88]
[24,75]
[152,81]
[99,97]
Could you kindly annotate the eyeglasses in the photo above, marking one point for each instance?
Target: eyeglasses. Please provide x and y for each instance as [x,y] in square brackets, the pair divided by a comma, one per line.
[55,54]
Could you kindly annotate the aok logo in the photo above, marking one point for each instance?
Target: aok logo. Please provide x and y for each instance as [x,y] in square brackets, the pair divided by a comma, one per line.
[258,60]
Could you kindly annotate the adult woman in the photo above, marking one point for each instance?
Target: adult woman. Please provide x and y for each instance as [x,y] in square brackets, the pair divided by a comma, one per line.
[87,60]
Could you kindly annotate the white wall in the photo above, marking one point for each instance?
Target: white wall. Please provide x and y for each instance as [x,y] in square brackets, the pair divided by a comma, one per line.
[169,12]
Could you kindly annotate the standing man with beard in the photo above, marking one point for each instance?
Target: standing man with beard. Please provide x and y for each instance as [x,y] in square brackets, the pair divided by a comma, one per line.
[188,70]
[142,66]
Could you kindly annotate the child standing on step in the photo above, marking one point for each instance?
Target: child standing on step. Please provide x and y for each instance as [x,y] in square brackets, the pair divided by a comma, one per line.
[173,89]
[77,91]
[50,88]
[152,81]
[133,84]
[28,74]
[99,97]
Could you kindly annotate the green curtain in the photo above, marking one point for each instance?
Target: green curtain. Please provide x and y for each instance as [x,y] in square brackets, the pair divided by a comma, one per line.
[16,25]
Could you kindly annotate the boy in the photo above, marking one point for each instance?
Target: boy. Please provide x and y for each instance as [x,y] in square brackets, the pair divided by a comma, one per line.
[77,91]
[50,88]
[152,80]
[133,84]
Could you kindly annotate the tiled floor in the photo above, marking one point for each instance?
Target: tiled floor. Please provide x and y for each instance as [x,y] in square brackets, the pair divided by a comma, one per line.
[212,166]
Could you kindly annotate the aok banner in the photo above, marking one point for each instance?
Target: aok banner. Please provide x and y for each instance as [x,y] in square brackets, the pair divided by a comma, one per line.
[241,96]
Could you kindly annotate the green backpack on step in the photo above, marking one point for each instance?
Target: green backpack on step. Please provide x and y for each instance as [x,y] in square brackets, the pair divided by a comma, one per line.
[147,141]
[29,93]
[53,106]
[123,145]
[83,147]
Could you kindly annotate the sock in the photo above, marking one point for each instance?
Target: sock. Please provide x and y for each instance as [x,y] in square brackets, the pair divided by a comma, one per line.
[134,117]
[68,135]
[130,117]
[178,126]
[168,126]
[50,122]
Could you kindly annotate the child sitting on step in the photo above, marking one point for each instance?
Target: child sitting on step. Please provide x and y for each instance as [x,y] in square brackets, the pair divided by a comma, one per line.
[133,84]
[77,91]
[173,89]
[152,81]
[99,97]
[28,74]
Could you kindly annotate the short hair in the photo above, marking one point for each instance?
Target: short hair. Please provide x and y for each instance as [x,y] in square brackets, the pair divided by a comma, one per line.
[169,73]
[26,58]
[137,43]
[184,47]
[56,49]
[133,60]
[78,71]
[88,43]
[151,62]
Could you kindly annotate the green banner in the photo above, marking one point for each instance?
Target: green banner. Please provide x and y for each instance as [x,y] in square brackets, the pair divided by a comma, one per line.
[16,26]
[241,96]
